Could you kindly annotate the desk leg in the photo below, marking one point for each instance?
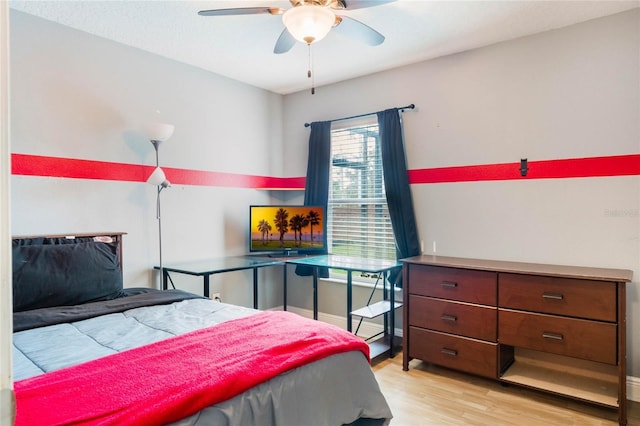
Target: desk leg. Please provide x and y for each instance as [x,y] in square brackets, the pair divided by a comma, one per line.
[392,318]
[255,288]
[385,296]
[206,285]
[315,293]
[284,286]
[164,274]
[349,299]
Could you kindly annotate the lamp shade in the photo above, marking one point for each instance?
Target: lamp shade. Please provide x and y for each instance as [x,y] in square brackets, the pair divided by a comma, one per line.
[308,23]
[159,132]
[158,178]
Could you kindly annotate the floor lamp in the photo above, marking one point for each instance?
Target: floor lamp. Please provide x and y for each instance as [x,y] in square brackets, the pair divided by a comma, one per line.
[158,133]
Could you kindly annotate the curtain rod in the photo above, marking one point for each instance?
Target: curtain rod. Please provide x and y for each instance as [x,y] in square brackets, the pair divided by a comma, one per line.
[410,106]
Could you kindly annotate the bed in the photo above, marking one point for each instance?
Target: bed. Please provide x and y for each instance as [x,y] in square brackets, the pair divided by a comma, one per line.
[86,350]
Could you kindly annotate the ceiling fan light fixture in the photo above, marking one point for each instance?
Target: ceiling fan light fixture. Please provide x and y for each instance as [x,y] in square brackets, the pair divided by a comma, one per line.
[308,23]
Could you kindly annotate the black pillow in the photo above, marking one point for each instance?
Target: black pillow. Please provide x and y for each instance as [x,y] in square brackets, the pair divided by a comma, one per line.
[64,274]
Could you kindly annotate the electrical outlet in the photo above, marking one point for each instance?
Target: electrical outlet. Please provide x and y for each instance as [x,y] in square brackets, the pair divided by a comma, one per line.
[216,296]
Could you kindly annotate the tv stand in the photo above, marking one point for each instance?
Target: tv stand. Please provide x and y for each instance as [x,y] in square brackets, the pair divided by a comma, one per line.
[284,254]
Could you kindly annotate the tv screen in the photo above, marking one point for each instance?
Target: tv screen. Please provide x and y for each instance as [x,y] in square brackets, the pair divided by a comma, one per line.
[286,229]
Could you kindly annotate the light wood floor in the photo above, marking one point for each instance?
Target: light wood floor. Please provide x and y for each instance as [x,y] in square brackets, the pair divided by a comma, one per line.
[431,395]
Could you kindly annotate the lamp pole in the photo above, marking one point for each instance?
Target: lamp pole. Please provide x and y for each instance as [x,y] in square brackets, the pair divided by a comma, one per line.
[159,216]
[156,134]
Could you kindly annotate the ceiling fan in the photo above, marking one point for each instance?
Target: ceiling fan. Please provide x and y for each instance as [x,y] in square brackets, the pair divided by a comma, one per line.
[309,21]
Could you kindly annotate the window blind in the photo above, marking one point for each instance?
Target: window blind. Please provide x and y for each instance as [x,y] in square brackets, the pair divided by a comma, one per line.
[358,217]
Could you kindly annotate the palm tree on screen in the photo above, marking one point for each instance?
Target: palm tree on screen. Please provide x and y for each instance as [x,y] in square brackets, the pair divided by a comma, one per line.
[296,223]
[282,223]
[314,219]
[264,227]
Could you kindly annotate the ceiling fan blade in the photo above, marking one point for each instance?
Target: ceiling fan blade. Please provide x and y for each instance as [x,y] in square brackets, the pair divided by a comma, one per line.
[285,42]
[361,4]
[359,31]
[242,11]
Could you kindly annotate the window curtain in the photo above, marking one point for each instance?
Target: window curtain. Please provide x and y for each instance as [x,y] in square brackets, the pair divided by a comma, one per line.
[317,184]
[396,181]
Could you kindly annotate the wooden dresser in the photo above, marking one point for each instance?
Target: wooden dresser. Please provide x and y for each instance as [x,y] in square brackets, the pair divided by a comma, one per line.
[559,329]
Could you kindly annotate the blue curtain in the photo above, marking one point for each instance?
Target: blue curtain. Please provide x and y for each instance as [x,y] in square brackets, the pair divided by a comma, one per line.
[396,181]
[317,185]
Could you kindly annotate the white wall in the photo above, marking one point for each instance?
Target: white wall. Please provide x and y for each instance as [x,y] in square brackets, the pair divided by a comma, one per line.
[79,96]
[567,93]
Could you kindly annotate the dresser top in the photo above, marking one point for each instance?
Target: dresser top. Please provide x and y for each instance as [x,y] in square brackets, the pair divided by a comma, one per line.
[581,272]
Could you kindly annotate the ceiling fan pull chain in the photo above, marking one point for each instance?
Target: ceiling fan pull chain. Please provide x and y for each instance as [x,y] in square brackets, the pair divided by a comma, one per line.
[309,60]
[309,73]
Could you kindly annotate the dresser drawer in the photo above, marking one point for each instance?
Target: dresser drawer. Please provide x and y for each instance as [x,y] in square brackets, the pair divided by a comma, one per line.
[578,338]
[562,296]
[464,285]
[477,321]
[460,353]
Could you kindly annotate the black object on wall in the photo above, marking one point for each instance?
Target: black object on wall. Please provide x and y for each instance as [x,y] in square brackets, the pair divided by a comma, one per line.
[524,167]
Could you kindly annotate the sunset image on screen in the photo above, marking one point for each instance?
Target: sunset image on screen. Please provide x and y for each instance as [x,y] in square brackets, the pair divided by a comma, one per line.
[284,227]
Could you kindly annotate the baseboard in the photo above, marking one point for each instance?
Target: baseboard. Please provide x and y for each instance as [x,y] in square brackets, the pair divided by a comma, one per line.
[370,329]
[633,388]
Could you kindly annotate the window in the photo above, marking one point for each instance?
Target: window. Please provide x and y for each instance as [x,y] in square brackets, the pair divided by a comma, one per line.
[358,217]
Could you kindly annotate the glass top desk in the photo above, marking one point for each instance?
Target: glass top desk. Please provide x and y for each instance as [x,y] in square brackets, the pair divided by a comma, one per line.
[350,264]
[207,267]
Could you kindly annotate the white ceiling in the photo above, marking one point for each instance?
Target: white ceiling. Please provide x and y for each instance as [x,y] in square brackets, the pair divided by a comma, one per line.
[240,47]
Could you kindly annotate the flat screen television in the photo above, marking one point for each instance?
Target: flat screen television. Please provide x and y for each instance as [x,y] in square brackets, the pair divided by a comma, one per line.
[286,230]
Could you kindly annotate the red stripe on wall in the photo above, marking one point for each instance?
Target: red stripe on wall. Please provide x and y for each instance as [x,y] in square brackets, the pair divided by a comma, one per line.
[204,178]
[35,165]
[620,165]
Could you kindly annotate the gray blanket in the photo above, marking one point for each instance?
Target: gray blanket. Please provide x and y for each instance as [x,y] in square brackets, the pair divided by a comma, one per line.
[337,390]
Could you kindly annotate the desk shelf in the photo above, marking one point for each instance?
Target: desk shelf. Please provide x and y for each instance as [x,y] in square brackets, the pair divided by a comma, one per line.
[381,347]
[376,309]
[385,341]
[379,267]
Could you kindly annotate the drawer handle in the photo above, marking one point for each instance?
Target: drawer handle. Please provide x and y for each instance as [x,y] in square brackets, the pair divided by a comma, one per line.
[552,336]
[553,296]
[450,352]
[450,318]
[449,284]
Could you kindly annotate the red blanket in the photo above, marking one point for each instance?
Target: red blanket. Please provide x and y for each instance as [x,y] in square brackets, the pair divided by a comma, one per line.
[174,378]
